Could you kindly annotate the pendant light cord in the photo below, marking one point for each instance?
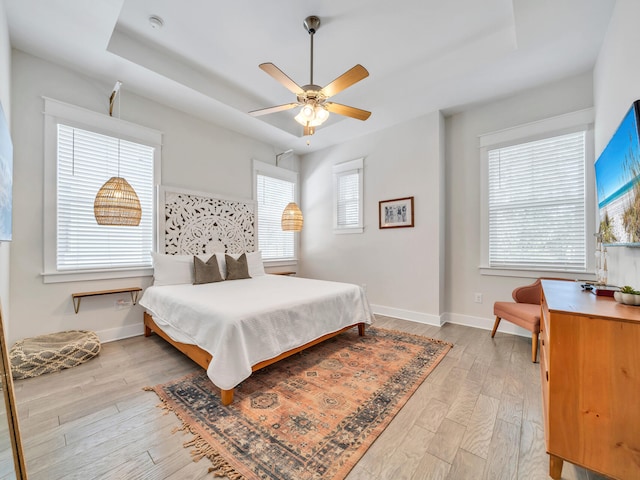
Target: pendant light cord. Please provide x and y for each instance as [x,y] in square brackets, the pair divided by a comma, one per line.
[119,96]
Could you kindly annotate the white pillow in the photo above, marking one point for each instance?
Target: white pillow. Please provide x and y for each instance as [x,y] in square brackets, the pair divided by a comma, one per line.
[254,262]
[174,269]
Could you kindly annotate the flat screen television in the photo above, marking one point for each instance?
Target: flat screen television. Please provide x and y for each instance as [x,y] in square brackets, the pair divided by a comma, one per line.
[618,183]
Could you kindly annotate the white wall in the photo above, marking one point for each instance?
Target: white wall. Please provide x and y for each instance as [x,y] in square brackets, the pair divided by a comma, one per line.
[402,268]
[5,99]
[616,86]
[196,155]
[463,186]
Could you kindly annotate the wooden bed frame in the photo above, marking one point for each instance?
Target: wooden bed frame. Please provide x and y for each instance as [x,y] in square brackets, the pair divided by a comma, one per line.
[203,358]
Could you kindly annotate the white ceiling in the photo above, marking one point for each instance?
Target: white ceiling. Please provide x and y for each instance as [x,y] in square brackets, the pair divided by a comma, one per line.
[422,55]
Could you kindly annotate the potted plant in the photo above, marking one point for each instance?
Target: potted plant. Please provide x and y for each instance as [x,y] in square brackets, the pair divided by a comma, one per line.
[627,295]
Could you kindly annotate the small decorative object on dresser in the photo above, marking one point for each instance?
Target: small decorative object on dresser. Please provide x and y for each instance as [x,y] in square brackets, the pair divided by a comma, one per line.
[627,295]
[396,213]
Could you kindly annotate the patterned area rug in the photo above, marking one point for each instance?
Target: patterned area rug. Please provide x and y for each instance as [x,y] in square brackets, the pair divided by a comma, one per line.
[310,416]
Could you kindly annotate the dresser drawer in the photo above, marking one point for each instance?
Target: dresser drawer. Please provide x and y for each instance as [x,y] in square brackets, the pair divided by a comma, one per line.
[544,381]
[545,319]
[544,344]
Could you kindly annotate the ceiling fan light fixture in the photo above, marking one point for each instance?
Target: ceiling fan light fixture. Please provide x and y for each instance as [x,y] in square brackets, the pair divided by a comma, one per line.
[306,114]
[311,115]
[322,114]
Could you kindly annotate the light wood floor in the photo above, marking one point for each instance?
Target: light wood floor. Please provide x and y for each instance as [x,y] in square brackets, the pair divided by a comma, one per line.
[477,416]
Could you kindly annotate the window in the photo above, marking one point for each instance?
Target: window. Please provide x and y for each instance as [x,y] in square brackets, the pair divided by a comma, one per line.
[87,150]
[274,188]
[347,207]
[538,203]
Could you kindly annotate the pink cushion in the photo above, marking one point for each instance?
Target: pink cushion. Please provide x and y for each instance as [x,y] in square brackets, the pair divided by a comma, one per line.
[525,315]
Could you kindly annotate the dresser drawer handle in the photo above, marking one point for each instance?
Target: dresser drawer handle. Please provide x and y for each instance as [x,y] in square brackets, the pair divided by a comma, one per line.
[547,374]
[543,342]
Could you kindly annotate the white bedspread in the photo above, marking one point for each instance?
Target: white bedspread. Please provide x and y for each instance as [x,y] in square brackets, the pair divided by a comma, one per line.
[244,322]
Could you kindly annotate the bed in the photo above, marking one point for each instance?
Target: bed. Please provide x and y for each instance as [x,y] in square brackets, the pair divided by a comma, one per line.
[234,327]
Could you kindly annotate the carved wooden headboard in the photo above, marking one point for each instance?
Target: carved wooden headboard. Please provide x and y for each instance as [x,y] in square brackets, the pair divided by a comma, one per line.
[196,222]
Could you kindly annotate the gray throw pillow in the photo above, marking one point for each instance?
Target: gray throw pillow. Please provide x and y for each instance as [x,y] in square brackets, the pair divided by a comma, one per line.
[208,272]
[237,269]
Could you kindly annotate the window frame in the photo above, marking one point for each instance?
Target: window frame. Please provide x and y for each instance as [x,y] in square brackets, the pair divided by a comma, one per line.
[347,168]
[581,120]
[56,112]
[285,174]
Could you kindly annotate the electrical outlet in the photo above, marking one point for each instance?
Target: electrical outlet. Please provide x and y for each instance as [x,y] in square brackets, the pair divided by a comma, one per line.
[477,298]
[120,304]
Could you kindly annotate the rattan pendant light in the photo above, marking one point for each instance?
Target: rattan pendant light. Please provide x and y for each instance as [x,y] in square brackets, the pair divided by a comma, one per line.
[292,220]
[116,202]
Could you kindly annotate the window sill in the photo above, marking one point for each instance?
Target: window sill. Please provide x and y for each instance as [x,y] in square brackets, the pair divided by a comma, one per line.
[502,272]
[342,231]
[83,275]
[291,262]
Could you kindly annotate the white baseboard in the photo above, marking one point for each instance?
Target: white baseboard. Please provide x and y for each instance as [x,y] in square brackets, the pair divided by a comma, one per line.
[485,324]
[456,318]
[134,330]
[121,333]
[418,317]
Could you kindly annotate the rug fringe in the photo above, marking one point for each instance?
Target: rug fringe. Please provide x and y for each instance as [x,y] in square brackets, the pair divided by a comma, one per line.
[200,448]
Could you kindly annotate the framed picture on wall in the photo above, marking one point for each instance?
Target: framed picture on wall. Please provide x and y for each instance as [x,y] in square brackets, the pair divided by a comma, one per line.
[396,213]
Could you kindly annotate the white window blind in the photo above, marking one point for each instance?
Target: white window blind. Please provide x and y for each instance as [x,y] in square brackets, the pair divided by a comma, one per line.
[273,195]
[86,160]
[536,209]
[347,181]
[348,204]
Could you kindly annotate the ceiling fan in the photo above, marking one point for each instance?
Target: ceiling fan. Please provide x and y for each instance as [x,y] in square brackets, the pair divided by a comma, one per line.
[313,98]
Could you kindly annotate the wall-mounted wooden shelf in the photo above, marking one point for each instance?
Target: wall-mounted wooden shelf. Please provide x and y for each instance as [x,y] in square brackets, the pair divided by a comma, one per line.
[134,291]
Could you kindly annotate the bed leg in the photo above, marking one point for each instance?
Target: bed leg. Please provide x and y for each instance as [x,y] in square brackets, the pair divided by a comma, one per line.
[147,329]
[226,396]
[361,329]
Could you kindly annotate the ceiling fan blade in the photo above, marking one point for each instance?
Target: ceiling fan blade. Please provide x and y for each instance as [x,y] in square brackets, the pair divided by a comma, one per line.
[277,108]
[281,77]
[347,111]
[345,80]
[308,131]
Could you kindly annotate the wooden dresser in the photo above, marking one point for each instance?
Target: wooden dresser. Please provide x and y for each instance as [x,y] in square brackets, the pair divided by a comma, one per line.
[590,367]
